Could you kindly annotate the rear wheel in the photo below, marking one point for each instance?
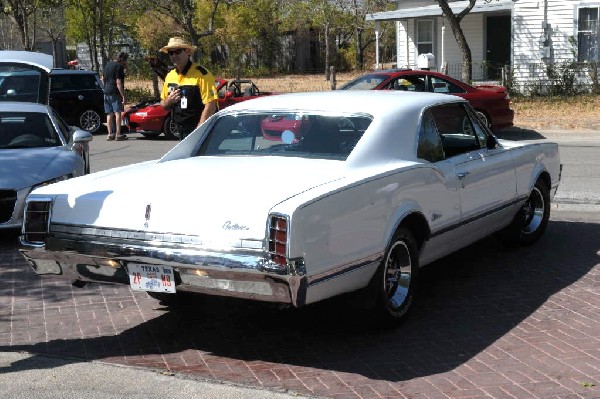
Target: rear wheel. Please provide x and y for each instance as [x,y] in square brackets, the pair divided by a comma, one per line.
[396,279]
[531,221]
[169,128]
[90,120]
[484,118]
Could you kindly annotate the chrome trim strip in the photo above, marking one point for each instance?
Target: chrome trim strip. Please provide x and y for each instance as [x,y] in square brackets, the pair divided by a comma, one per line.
[474,218]
[344,269]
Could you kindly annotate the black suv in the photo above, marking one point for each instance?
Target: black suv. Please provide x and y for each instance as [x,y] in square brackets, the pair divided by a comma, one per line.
[76,95]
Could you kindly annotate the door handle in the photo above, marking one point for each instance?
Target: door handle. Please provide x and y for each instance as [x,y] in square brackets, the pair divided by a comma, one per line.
[462,175]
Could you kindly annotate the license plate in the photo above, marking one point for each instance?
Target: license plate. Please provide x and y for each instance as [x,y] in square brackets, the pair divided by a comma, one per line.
[151,278]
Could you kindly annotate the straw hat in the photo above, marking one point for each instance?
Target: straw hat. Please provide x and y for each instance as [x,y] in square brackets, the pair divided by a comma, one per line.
[178,42]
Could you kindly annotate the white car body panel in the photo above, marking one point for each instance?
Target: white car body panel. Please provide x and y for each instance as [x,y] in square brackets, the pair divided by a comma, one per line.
[212,221]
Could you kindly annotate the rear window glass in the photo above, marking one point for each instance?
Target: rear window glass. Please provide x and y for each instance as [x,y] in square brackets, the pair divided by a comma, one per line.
[285,134]
[17,84]
[367,82]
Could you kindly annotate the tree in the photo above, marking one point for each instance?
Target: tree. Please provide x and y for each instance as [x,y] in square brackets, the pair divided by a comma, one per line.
[51,23]
[454,20]
[23,14]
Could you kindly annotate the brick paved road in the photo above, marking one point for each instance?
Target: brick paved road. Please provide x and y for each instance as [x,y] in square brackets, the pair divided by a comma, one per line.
[489,323]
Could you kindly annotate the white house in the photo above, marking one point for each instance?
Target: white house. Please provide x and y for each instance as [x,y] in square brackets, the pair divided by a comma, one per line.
[528,35]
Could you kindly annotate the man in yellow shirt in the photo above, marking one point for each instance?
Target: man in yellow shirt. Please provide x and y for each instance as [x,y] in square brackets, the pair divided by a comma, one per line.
[189,89]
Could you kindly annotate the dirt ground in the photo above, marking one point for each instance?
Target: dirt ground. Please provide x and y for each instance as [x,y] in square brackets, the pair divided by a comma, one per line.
[577,113]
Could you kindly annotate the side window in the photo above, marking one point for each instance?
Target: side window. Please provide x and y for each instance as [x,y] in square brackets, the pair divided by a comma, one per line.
[443,86]
[408,83]
[455,128]
[430,145]
[58,83]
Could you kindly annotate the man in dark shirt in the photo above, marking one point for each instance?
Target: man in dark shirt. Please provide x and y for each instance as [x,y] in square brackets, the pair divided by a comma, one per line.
[114,95]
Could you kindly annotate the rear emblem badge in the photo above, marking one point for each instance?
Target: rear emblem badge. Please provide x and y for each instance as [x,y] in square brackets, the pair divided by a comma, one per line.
[148,210]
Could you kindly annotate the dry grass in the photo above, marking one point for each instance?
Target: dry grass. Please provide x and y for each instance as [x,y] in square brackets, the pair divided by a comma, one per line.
[530,113]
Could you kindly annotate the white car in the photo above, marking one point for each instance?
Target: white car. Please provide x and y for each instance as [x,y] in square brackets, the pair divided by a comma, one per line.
[355,191]
[36,146]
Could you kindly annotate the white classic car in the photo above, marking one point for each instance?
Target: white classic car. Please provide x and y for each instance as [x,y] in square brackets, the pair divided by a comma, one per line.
[296,198]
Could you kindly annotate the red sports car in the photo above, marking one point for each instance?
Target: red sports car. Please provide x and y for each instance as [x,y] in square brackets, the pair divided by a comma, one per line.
[150,119]
[491,102]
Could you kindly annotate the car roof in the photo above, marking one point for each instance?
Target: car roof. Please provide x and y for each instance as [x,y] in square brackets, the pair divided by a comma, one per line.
[16,106]
[40,60]
[60,71]
[372,102]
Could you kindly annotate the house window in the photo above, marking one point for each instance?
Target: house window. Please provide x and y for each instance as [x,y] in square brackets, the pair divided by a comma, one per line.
[424,36]
[588,34]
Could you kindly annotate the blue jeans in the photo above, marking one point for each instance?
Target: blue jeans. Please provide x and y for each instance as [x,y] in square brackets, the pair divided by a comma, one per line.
[113,103]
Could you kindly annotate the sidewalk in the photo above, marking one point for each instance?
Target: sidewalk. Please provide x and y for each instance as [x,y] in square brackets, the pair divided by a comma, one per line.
[25,376]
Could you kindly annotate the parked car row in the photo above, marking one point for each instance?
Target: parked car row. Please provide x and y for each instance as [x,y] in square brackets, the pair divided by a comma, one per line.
[377,184]
[37,147]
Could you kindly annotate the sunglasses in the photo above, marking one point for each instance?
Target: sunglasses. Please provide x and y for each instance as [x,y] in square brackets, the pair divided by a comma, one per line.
[175,52]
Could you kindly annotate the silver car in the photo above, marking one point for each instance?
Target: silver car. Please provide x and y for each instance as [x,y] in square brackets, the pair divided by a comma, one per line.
[36,146]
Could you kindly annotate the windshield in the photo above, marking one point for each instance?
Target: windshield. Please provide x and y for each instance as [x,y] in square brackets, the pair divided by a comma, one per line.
[366,82]
[285,134]
[27,130]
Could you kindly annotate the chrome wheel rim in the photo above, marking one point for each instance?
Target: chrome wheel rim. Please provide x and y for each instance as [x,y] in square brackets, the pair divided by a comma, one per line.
[533,212]
[397,275]
[90,121]
[483,118]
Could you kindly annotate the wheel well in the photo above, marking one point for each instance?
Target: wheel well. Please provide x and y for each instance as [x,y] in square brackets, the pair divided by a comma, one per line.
[418,226]
[545,177]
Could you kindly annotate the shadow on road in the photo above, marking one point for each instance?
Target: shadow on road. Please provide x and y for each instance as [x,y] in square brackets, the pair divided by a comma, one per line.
[517,133]
[466,303]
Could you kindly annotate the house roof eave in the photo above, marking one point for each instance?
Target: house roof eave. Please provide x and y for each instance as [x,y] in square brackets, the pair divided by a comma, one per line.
[436,11]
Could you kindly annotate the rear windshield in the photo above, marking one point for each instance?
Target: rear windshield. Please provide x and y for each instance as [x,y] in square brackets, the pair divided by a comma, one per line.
[285,134]
[18,84]
[27,130]
[366,82]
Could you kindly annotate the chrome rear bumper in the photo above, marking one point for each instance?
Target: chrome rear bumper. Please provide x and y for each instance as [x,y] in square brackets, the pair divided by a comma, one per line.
[241,273]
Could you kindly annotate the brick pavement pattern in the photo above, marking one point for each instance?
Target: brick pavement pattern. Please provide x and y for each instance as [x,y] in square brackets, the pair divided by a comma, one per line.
[489,322]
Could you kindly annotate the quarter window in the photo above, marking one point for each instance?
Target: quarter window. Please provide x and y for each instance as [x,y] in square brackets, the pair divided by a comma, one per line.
[430,144]
[588,34]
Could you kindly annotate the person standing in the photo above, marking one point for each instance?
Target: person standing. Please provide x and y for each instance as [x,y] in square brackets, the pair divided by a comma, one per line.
[189,89]
[114,95]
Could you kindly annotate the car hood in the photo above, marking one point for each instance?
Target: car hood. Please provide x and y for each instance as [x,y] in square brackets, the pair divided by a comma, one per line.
[221,196]
[27,167]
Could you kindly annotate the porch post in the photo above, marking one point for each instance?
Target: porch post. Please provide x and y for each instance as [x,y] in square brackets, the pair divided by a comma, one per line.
[376,44]
[442,58]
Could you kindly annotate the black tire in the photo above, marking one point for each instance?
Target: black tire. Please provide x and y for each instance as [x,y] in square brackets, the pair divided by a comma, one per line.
[90,120]
[530,222]
[169,128]
[395,281]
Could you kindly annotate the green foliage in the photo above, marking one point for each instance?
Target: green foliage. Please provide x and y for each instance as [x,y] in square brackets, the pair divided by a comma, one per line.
[137,94]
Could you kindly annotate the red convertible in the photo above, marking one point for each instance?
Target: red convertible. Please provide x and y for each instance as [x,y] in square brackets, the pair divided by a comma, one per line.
[150,119]
[491,102]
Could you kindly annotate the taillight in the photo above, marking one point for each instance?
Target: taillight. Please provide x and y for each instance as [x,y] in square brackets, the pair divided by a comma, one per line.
[36,221]
[278,234]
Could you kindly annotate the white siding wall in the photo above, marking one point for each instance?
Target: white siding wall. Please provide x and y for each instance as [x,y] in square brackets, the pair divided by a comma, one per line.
[528,19]
[472,26]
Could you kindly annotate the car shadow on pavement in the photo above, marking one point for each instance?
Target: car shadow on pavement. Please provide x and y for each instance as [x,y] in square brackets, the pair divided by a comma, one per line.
[517,134]
[467,302]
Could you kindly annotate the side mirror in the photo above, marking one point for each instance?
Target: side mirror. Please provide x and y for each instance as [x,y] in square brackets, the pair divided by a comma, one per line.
[229,94]
[11,92]
[82,136]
